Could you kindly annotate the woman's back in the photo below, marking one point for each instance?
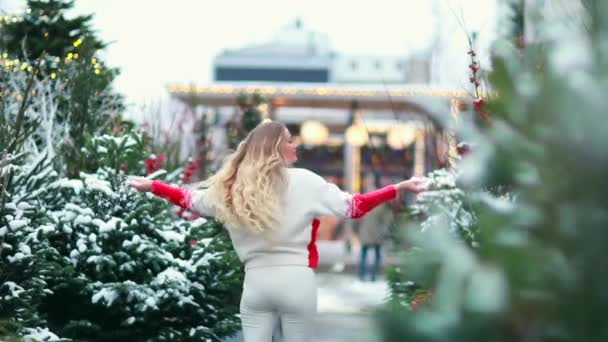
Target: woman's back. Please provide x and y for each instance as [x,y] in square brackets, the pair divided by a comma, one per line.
[291,242]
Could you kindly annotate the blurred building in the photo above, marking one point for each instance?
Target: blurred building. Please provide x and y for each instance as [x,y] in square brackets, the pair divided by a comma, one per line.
[355,116]
[301,55]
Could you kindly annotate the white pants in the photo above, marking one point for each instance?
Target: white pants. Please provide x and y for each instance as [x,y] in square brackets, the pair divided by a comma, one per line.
[285,293]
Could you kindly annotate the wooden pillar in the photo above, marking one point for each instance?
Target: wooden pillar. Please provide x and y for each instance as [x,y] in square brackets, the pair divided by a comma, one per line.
[272,110]
[352,156]
[419,153]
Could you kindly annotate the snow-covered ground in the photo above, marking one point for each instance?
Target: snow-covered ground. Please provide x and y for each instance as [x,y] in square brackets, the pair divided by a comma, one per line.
[344,293]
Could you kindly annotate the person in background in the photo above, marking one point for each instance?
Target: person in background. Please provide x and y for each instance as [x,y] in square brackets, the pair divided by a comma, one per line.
[373,229]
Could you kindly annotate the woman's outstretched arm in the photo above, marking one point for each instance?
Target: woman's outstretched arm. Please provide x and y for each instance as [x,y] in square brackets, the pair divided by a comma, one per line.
[338,203]
[194,200]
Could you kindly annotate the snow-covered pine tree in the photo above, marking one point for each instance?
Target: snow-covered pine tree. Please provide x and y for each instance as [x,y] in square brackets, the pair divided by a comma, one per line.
[444,202]
[121,265]
[73,89]
[246,119]
[445,198]
[24,187]
[103,263]
[538,273]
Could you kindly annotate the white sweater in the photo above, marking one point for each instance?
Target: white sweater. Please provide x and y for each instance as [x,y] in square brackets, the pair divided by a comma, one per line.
[308,196]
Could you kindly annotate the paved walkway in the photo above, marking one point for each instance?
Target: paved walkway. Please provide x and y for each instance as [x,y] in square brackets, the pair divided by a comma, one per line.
[334,256]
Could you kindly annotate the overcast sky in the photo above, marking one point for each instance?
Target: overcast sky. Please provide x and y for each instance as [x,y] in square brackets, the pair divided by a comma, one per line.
[159,42]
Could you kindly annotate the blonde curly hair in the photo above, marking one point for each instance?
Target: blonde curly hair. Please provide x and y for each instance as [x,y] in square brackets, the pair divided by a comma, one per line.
[247,190]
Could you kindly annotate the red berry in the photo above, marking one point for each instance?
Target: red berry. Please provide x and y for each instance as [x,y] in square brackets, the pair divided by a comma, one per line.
[463,149]
[478,104]
[192,242]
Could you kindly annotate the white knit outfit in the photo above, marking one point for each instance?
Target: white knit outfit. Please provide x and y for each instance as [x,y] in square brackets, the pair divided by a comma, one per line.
[279,283]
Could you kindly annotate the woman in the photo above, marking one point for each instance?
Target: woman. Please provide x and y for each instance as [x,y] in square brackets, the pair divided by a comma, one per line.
[270,210]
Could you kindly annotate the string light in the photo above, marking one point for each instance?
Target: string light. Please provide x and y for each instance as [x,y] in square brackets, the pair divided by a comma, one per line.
[325,91]
[401,136]
[314,133]
[356,135]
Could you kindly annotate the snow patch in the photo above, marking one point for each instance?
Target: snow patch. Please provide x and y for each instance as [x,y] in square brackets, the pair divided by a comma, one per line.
[39,334]
[75,184]
[95,184]
[24,206]
[82,219]
[170,235]
[108,296]
[14,289]
[17,224]
[170,275]
[108,226]
[17,257]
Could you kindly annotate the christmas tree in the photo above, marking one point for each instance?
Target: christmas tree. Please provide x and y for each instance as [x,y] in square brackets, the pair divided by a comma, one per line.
[107,264]
[44,29]
[443,202]
[24,183]
[248,116]
[84,257]
[537,273]
[72,82]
